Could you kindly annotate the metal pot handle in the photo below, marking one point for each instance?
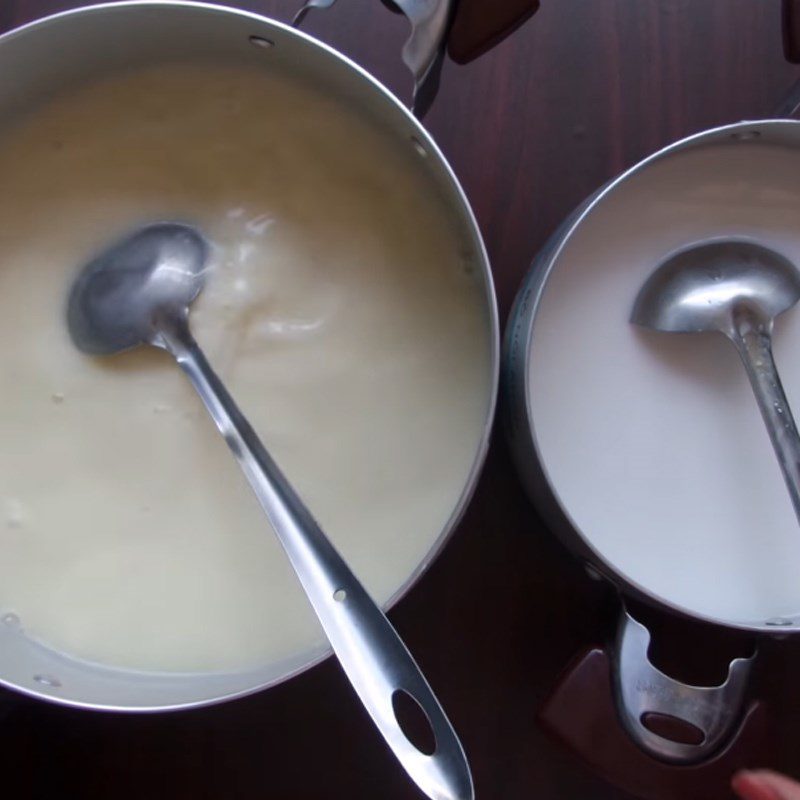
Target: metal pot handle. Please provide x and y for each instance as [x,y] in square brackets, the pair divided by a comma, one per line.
[640,689]
[424,48]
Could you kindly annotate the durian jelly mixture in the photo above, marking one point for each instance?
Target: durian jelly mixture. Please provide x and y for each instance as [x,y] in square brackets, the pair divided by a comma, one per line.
[341,309]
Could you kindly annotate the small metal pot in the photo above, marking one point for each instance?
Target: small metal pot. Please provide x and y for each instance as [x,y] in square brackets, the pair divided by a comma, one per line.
[65,49]
[639,687]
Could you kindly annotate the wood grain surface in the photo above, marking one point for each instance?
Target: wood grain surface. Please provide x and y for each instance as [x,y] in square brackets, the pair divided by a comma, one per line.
[582,90]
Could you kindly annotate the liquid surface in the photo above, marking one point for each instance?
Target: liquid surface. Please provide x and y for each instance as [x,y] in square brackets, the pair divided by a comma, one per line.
[653,441]
[341,312]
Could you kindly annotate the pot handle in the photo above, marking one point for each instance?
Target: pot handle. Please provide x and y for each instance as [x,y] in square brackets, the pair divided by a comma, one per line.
[478,26]
[789,107]
[790,13]
[643,693]
[424,48]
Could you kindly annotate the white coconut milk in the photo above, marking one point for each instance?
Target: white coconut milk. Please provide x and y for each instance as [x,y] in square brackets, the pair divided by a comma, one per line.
[653,441]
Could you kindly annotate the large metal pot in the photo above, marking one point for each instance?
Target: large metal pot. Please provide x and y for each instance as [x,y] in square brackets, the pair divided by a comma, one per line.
[52,53]
[639,687]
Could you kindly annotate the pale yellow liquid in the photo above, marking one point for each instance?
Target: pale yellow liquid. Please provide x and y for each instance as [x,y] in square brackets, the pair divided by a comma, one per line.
[340,311]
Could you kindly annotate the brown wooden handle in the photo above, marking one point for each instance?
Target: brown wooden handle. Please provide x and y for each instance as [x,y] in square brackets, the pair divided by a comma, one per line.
[479,25]
[791,30]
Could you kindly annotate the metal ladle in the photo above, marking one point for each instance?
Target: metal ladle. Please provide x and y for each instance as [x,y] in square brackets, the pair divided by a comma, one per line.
[736,287]
[139,292]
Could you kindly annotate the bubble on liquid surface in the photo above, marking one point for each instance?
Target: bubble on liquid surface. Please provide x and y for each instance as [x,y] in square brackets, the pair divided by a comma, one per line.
[14,513]
[779,622]
[47,680]
[258,225]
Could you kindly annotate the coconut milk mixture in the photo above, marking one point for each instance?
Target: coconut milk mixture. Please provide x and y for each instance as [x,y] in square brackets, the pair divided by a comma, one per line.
[341,311]
[654,441]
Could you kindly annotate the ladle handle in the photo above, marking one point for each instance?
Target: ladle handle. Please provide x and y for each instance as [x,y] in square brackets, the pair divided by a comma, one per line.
[753,340]
[373,656]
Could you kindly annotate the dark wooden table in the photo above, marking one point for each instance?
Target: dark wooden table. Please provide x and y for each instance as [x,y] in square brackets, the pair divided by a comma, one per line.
[582,90]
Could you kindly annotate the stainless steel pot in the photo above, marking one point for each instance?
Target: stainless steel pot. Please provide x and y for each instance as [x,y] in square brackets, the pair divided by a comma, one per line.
[47,55]
[639,687]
